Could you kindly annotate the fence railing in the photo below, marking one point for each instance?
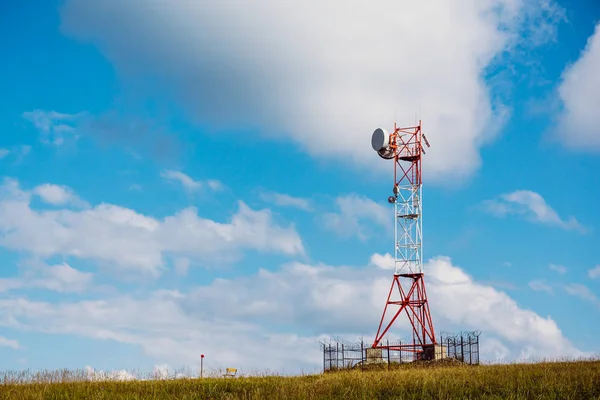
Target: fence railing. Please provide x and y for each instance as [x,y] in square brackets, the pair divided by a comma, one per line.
[463,347]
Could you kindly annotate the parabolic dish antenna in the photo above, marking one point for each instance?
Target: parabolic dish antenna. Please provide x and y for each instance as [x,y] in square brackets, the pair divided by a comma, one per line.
[380,141]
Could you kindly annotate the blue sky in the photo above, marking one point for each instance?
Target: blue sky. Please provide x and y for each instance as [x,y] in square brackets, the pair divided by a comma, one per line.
[180,179]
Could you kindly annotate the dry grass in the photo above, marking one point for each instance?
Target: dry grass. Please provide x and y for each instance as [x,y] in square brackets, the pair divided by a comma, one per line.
[556,380]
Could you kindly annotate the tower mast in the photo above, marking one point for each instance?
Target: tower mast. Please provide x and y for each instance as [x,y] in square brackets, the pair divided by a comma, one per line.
[405,147]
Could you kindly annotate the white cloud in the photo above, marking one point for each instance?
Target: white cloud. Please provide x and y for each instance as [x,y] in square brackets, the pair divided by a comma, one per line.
[578,126]
[182,178]
[495,350]
[161,371]
[558,268]
[461,300]
[115,375]
[285,200]
[188,183]
[214,184]
[276,318]
[583,292]
[3,153]
[357,214]
[13,344]
[7,284]
[287,70]
[53,126]
[540,286]
[532,206]
[58,195]
[119,237]
[383,261]
[60,278]
[63,278]
[170,333]
[594,272]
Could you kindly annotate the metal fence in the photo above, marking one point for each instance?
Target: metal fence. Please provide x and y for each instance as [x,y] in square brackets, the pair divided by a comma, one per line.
[462,347]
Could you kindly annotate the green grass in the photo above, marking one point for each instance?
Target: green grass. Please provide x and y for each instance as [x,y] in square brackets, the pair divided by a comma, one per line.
[552,380]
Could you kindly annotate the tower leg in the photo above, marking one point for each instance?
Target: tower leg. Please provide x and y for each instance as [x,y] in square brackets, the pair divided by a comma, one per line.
[414,303]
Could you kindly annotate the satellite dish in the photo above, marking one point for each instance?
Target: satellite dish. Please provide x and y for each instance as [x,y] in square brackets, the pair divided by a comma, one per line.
[380,141]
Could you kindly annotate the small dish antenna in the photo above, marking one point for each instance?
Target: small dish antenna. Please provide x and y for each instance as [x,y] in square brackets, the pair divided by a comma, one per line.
[380,141]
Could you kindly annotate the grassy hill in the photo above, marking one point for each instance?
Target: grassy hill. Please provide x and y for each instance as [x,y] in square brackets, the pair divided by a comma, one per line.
[557,380]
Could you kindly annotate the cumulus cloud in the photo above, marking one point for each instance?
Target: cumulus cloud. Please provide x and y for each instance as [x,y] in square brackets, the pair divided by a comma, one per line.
[285,200]
[115,375]
[461,300]
[63,278]
[169,333]
[383,261]
[122,238]
[58,195]
[276,318]
[357,216]
[578,125]
[188,183]
[60,278]
[532,206]
[285,69]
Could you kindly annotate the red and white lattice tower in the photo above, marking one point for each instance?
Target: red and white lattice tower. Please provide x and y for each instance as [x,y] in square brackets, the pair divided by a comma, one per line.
[407,293]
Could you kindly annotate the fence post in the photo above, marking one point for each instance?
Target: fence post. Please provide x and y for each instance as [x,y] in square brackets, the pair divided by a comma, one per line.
[399,351]
[462,348]
[470,352]
[362,360]
[343,357]
[477,349]
[388,352]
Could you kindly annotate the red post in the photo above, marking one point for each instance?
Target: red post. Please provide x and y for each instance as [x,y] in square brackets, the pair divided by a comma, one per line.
[201,364]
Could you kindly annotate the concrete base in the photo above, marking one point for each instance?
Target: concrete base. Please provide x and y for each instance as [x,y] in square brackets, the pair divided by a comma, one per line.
[374,356]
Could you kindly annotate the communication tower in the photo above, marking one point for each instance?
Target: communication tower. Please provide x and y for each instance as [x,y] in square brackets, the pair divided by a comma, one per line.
[404,147]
